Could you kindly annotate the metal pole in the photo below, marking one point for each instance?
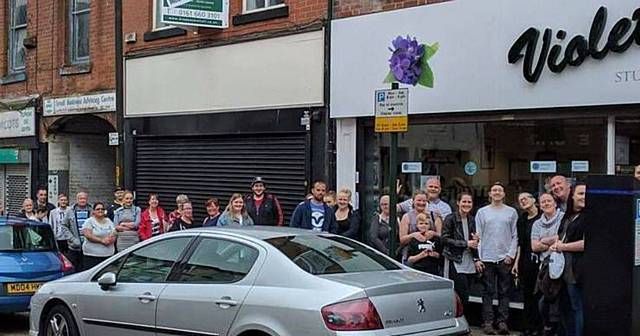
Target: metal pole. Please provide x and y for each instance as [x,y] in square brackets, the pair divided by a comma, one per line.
[393,195]
[119,92]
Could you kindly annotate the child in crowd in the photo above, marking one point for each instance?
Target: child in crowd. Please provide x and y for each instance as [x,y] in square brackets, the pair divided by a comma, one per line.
[424,254]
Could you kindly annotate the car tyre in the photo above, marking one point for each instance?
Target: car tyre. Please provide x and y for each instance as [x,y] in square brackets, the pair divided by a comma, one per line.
[60,322]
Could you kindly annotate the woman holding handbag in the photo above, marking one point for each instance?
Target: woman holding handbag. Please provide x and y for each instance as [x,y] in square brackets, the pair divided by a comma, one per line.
[571,244]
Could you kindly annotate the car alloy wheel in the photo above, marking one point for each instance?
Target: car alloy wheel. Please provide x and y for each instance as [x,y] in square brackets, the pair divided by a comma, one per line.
[58,326]
[60,323]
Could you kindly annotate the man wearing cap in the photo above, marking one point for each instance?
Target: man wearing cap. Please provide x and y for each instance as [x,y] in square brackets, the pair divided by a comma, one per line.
[118,195]
[263,207]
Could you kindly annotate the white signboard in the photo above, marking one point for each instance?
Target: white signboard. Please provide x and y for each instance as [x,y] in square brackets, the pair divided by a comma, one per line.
[17,123]
[198,13]
[479,59]
[391,103]
[114,139]
[543,166]
[411,167]
[580,166]
[103,102]
[52,189]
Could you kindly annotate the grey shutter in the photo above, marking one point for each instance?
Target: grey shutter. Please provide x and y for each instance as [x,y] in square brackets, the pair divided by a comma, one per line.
[218,166]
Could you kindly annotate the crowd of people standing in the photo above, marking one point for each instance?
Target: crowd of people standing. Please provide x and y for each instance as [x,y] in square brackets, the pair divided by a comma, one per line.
[498,246]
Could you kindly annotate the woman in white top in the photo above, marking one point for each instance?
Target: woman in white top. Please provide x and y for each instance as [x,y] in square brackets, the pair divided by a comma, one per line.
[99,236]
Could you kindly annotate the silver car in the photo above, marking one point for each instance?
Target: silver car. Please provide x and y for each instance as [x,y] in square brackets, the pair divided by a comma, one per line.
[257,281]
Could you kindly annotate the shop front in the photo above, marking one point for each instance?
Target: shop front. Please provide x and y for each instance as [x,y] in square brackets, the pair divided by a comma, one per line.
[18,155]
[516,92]
[80,158]
[205,122]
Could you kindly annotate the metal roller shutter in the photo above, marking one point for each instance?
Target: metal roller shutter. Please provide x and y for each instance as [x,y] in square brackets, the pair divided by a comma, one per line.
[17,183]
[206,166]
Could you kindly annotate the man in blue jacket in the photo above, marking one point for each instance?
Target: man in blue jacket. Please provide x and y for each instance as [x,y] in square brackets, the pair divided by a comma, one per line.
[314,214]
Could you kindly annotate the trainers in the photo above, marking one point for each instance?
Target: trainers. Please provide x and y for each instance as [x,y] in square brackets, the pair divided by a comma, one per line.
[503,329]
[487,329]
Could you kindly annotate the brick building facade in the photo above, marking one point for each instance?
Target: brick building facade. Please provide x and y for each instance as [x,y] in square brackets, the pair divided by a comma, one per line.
[207,109]
[58,60]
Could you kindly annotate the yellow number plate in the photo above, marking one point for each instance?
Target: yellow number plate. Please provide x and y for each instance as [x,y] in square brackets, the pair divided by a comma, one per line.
[23,287]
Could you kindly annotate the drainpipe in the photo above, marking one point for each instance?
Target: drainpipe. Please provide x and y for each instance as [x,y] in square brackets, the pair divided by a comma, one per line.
[329,142]
[119,94]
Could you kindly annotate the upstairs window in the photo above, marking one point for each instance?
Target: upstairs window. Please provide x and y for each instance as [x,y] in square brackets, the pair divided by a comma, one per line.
[17,32]
[258,5]
[79,31]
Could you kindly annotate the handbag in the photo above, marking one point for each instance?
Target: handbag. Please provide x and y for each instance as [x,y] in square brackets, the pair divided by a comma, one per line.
[548,287]
[556,265]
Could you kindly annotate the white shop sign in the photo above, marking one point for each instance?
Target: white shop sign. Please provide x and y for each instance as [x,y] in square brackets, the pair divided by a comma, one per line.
[17,123]
[482,60]
[102,102]
[580,166]
[543,167]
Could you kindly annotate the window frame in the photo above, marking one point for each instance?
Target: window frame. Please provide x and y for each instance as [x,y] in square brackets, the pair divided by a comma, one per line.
[156,20]
[12,29]
[265,8]
[122,259]
[176,273]
[72,35]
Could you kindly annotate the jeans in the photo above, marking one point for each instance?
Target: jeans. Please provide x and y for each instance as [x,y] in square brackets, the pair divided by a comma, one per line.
[572,310]
[461,282]
[75,257]
[528,272]
[496,274]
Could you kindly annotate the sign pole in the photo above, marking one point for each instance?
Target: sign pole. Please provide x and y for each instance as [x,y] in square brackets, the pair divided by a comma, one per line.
[393,193]
[392,116]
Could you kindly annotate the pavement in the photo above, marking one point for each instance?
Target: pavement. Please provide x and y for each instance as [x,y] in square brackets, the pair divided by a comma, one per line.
[14,324]
[477,331]
[18,325]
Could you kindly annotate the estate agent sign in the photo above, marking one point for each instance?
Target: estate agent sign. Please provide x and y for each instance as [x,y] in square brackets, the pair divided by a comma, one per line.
[198,13]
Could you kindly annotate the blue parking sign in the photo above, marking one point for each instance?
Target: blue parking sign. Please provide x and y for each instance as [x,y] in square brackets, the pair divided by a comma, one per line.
[381,96]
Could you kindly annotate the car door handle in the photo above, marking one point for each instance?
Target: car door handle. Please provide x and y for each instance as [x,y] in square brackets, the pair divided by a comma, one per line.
[146,297]
[226,302]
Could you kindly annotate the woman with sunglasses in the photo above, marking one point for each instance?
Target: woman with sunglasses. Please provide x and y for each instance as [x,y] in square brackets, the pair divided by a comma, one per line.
[99,236]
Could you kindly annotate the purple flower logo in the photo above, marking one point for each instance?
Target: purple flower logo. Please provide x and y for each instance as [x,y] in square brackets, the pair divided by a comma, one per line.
[409,62]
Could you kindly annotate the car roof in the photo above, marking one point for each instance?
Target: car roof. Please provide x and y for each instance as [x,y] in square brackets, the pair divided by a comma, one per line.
[260,232]
[12,220]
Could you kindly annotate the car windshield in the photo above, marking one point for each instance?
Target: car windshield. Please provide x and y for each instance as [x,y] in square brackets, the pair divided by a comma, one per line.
[319,254]
[25,237]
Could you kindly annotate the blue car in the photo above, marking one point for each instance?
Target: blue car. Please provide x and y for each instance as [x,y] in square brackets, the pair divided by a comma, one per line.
[29,257]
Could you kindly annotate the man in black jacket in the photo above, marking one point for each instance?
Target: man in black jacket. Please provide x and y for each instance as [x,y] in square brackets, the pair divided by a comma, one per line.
[263,207]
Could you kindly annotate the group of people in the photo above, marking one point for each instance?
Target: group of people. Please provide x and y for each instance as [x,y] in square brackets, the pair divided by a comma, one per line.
[500,247]
[87,233]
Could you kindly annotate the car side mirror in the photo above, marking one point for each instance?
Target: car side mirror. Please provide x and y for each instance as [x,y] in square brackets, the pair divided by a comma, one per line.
[107,281]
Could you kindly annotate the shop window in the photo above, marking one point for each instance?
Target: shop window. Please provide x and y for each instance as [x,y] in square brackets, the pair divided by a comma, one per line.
[258,5]
[79,31]
[471,156]
[17,33]
[627,144]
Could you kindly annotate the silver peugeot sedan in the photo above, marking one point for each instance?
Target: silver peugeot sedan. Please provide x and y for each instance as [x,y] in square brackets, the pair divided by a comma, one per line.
[249,281]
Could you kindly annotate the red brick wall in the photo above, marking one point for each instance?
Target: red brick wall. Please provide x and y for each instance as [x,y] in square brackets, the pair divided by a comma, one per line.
[47,21]
[138,17]
[347,8]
